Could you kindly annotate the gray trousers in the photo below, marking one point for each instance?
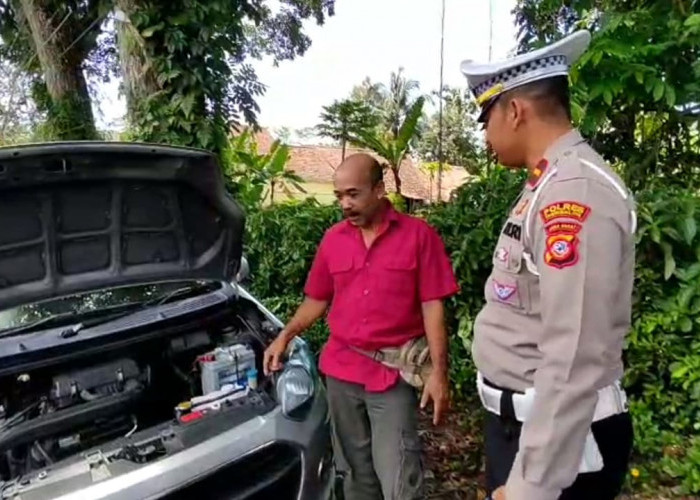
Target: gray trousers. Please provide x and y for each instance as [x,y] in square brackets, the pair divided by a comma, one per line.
[375,441]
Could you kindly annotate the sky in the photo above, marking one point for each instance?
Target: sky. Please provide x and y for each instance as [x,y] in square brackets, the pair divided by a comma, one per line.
[367,38]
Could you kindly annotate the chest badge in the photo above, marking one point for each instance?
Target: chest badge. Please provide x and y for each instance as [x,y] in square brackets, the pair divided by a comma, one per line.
[520,208]
[504,292]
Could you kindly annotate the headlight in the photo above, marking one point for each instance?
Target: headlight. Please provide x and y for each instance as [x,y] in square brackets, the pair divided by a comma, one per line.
[296,384]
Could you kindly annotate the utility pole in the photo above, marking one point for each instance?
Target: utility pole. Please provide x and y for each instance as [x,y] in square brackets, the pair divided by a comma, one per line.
[442,63]
[489,158]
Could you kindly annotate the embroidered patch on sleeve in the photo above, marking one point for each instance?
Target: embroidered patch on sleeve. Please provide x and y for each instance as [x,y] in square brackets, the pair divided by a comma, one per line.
[502,255]
[565,210]
[561,249]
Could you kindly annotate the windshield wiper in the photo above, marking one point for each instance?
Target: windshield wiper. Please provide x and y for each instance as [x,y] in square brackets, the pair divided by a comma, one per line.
[86,318]
[182,293]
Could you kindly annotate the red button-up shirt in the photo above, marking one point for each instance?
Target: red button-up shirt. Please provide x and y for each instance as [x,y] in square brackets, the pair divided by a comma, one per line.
[376,293]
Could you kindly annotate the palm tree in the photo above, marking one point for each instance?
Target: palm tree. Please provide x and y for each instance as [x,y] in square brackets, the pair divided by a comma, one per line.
[399,100]
[393,147]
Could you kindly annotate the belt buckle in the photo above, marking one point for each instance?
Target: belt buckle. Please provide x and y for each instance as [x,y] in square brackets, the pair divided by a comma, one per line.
[378,356]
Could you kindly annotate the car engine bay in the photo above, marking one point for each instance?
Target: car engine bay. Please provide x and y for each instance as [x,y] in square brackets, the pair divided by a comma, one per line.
[137,400]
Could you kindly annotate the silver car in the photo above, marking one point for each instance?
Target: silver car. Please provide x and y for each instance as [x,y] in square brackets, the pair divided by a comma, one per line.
[130,353]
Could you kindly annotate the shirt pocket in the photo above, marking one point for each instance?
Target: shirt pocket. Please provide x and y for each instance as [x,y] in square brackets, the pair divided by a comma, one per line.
[341,268]
[397,274]
[508,284]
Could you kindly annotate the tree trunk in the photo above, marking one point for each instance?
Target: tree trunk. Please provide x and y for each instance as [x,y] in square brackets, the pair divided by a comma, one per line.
[343,143]
[69,109]
[397,179]
[138,75]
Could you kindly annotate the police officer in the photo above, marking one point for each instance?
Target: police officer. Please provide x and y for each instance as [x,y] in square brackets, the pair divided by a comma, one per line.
[548,341]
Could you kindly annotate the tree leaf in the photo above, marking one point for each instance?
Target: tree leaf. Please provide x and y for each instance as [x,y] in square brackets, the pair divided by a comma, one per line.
[685,324]
[655,234]
[186,104]
[690,229]
[279,159]
[659,90]
[693,20]
[150,31]
[597,56]
[607,97]
[669,261]
[685,295]
[678,370]
[670,96]
[409,125]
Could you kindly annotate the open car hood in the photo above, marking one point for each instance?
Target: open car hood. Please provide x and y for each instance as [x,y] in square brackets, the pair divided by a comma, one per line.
[82,216]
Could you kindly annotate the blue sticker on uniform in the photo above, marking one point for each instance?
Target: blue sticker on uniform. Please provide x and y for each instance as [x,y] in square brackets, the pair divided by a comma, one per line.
[504,292]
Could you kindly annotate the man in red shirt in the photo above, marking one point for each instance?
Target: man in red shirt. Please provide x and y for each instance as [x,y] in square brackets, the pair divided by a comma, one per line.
[384,276]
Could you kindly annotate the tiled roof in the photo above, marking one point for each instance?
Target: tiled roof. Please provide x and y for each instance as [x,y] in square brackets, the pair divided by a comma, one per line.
[317,164]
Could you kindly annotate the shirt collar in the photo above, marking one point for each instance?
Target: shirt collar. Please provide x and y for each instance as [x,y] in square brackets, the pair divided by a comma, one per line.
[551,155]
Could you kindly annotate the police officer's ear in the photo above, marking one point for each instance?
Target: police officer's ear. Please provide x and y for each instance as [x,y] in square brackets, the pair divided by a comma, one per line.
[516,110]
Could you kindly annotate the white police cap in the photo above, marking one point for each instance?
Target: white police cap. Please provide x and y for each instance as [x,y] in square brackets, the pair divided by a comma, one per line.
[487,81]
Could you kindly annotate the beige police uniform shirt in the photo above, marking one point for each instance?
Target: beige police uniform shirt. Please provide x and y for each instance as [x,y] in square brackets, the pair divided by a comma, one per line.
[558,305]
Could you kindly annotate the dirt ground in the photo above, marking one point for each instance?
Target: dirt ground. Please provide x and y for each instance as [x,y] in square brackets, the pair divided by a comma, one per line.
[453,460]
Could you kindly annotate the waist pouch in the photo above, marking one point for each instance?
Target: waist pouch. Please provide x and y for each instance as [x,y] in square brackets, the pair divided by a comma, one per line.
[411,359]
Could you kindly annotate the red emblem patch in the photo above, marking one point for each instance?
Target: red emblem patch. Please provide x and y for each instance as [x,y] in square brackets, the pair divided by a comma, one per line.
[565,210]
[562,245]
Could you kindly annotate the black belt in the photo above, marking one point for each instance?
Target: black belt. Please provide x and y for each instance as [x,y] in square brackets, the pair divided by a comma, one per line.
[507,408]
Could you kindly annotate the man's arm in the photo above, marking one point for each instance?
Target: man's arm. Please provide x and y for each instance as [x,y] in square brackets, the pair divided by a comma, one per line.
[319,292]
[306,315]
[436,282]
[436,387]
[436,334]
[579,259]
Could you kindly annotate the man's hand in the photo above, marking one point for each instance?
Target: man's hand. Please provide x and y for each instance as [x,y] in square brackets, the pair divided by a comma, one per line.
[499,494]
[308,312]
[436,388]
[274,353]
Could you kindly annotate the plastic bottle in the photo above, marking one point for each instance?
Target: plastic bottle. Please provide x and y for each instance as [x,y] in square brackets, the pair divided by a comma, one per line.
[252,376]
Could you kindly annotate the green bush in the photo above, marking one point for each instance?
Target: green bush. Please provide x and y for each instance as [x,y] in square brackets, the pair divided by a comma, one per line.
[662,353]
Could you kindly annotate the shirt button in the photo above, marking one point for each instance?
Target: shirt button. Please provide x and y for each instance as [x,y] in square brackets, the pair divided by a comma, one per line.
[366,292]
[364,320]
[366,264]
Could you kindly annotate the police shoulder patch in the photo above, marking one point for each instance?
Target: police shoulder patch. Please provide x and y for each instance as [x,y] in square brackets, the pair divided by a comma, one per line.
[561,245]
[565,210]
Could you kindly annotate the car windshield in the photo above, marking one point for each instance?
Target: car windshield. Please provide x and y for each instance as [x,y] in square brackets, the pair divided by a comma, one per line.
[91,303]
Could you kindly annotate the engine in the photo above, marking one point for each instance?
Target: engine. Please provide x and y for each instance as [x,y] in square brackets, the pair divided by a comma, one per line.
[81,408]
[53,413]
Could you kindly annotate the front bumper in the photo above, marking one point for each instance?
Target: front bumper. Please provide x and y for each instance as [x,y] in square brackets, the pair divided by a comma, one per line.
[268,455]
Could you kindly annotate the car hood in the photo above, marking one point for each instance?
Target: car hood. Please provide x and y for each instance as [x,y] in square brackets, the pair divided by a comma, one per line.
[83,216]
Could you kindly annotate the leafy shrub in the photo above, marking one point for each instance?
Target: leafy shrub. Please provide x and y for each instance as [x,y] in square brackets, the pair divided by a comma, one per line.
[662,352]
[281,242]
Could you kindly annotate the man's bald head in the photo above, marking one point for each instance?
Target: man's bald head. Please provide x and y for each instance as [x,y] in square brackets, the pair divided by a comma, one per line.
[363,165]
[359,188]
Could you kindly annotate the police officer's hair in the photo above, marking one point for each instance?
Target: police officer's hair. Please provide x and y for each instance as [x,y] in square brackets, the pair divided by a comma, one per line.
[551,95]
